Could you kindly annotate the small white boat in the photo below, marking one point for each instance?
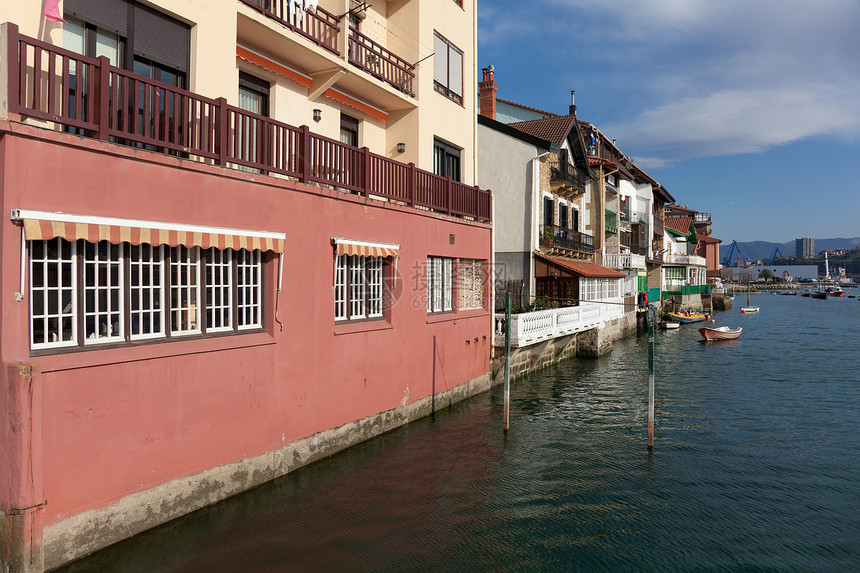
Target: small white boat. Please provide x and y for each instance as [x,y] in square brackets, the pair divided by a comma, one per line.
[720,332]
[748,309]
[669,325]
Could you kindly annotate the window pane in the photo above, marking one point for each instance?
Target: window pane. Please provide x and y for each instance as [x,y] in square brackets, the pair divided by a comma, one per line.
[103,320]
[107,44]
[357,287]
[52,305]
[440,60]
[340,288]
[184,290]
[250,288]
[219,272]
[447,283]
[147,291]
[374,282]
[455,72]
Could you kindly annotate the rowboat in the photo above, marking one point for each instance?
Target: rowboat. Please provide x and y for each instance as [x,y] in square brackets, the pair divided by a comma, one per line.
[685,318]
[669,324]
[719,332]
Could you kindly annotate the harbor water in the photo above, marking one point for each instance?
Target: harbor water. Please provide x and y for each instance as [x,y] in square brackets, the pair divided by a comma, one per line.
[755,467]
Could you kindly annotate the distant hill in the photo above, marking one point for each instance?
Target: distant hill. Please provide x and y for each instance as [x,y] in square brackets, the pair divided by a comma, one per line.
[764,250]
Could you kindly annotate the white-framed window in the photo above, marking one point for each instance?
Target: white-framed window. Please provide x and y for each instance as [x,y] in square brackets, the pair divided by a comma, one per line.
[147,291]
[447,68]
[184,290]
[83,293]
[358,288]
[440,281]
[103,312]
[250,288]
[53,304]
[219,289]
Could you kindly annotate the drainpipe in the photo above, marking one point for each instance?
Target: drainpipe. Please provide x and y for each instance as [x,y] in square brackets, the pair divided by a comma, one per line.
[534,241]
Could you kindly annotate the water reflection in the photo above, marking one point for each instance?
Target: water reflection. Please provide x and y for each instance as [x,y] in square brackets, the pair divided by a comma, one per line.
[755,466]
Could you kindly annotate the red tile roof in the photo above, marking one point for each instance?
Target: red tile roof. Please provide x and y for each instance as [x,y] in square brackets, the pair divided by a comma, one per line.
[553,129]
[678,224]
[582,268]
[708,239]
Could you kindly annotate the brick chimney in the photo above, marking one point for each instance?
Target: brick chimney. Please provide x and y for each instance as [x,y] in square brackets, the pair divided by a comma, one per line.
[487,91]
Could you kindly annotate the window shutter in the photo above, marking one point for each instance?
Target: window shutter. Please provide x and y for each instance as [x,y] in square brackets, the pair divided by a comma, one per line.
[440,61]
[455,72]
[160,38]
[112,16]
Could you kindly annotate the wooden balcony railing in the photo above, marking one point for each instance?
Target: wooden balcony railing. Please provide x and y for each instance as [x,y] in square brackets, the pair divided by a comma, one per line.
[380,62]
[320,27]
[562,171]
[95,99]
[559,237]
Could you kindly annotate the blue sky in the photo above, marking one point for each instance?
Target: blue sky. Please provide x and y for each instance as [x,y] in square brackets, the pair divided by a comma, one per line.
[746,109]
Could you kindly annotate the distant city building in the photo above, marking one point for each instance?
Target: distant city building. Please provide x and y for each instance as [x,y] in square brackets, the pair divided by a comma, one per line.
[804,247]
[834,252]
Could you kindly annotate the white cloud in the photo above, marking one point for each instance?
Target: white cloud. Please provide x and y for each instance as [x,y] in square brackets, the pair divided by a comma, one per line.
[706,78]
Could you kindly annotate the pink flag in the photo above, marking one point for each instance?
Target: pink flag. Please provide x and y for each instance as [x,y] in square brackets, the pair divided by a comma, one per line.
[52,10]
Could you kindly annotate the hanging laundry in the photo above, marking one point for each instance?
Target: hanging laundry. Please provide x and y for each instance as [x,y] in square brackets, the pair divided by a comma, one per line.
[311,5]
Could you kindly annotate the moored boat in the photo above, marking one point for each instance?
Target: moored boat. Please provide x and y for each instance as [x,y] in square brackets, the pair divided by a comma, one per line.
[820,294]
[749,309]
[719,332]
[685,318]
[669,324]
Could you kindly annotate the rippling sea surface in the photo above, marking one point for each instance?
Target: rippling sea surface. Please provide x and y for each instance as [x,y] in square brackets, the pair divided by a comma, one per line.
[755,467]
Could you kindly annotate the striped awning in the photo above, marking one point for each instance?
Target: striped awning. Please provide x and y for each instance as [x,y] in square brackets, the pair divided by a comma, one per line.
[39,225]
[364,248]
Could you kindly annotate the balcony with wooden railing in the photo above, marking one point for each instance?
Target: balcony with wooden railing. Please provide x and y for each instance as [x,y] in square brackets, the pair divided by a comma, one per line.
[322,28]
[95,99]
[380,62]
[561,171]
[319,26]
[554,237]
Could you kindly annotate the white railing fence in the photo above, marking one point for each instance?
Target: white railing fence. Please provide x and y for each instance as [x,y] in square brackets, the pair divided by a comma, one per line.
[532,327]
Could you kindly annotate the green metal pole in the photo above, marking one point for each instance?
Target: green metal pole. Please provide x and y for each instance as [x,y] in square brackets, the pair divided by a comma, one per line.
[507,414]
[650,378]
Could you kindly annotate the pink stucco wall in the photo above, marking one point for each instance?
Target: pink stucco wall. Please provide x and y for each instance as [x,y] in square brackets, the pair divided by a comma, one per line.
[117,421]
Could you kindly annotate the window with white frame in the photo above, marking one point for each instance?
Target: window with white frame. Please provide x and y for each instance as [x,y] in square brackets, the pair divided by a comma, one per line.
[53,300]
[103,315]
[250,287]
[219,292]
[358,287]
[447,68]
[84,293]
[147,291]
[184,289]
[440,281]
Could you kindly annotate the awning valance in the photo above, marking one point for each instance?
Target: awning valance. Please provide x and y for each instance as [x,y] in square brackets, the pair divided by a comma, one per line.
[40,225]
[365,248]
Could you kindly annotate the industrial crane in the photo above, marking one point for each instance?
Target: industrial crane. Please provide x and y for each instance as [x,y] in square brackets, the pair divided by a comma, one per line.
[776,252]
[727,262]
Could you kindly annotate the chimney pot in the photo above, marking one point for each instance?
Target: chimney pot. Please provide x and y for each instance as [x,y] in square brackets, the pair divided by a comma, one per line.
[487,93]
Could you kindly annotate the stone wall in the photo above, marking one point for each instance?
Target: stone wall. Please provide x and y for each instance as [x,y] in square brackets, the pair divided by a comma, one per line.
[589,344]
